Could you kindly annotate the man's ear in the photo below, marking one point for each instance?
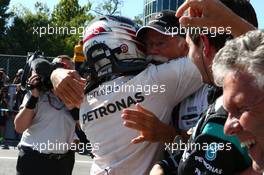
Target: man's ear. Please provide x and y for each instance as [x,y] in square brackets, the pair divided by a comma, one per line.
[206,45]
[184,46]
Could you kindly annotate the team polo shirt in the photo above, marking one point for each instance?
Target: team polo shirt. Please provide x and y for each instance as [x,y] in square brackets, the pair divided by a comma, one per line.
[191,108]
[158,88]
[210,151]
[51,129]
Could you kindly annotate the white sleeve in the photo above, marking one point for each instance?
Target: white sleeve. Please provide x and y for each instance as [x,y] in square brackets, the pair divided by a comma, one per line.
[180,77]
[24,102]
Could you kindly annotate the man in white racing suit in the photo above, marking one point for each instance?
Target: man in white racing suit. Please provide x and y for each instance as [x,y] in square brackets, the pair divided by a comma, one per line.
[120,78]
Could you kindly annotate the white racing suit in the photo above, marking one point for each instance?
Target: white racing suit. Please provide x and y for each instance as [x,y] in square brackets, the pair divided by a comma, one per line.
[158,88]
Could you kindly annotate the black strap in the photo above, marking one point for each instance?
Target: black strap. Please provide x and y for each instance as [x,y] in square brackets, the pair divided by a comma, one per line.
[213,116]
[213,93]
[75,113]
[32,102]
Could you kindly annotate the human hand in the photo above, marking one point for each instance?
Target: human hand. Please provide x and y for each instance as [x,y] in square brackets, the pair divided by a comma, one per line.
[33,81]
[150,127]
[205,13]
[157,170]
[69,106]
[69,86]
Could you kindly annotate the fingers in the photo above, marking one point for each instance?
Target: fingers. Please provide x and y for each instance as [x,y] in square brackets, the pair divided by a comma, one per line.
[76,87]
[195,11]
[69,86]
[139,119]
[141,122]
[76,76]
[194,21]
[139,111]
[191,12]
[75,90]
[71,92]
[195,8]
[182,9]
[135,112]
[69,106]
[144,110]
[34,79]
[138,139]
[64,96]
[157,170]
[133,125]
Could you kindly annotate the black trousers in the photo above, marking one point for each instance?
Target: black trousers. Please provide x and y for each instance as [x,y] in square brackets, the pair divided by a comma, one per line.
[31,162]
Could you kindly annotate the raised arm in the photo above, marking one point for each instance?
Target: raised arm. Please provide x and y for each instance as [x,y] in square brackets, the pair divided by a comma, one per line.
[25,116]
[69,86]
[212,13]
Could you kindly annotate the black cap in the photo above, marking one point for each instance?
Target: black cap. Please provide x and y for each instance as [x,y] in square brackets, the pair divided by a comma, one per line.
[42,67]
[164,22]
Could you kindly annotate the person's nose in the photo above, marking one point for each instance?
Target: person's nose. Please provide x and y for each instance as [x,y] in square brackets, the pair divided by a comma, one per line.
[153,50]
[232,126]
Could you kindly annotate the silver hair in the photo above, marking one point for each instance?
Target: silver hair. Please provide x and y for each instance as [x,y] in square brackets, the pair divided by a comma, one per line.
[245,53]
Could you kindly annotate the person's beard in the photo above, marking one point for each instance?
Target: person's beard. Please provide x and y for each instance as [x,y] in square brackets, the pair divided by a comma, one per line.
[157,58]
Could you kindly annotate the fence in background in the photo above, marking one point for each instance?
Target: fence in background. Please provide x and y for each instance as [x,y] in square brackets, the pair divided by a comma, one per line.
[11,63]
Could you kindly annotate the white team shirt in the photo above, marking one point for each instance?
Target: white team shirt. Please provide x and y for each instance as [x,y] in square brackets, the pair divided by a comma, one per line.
[51,129]
[100,115]
[191,108]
